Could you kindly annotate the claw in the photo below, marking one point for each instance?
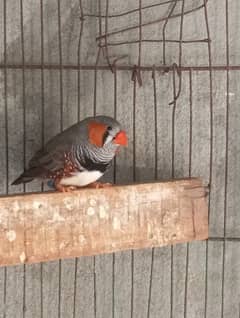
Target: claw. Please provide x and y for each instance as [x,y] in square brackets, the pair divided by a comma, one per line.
[99,185]
[61,188]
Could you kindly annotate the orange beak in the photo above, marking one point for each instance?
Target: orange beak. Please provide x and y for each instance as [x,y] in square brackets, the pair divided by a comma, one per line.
[121,138]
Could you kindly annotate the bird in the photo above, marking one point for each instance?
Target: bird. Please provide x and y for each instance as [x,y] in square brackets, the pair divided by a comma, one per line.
[78,156]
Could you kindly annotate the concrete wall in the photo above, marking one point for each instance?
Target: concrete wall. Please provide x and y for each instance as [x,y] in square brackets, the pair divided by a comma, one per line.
[182,281]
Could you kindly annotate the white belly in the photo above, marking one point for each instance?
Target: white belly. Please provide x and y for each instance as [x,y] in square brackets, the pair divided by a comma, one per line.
[81,179]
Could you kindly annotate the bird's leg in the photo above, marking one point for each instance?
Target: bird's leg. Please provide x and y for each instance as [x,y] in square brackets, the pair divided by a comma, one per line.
[99,185]
[59,187]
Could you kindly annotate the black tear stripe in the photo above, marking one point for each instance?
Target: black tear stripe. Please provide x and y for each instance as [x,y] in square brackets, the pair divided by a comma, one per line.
[95,166]
[105,135]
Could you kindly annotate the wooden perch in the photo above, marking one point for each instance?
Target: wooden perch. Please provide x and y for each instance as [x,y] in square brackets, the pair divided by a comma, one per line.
[49,226]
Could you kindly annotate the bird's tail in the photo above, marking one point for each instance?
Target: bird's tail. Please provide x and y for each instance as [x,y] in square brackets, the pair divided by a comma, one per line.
[22,179]
[28,175]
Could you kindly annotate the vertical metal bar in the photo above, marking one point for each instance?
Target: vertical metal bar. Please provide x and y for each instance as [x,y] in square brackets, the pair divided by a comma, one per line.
[140,42]
[186,283]
[59,287]
[134,124]
[134,178]
[78,116]
[106,38]
[94,287]
[43,127]
[155,122]
[176,95]
[94,114]
[6,132]
[156,176]
[115,116]
[100,20]
[190,174]
[173,174]
[79,57]
[211,141]
[173,123]
[23,86]
[190,123]
[24,135]
[97,59]
[5,89]
[132,282]
[61,127]
[226,161]
[60,64]
[181,34]
[95,84]
[211,94]
[164,31]
[113,284]
[75,287]
[114,181]
[150,283]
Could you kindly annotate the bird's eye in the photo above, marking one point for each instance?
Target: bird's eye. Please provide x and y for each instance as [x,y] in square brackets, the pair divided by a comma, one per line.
[109,128]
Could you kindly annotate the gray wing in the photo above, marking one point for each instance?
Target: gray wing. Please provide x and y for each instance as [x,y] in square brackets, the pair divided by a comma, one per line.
[52,156]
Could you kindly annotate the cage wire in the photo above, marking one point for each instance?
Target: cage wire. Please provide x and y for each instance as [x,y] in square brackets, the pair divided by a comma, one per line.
[114,37]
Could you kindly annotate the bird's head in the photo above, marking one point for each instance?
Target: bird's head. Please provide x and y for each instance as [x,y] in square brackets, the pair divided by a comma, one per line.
[103,131]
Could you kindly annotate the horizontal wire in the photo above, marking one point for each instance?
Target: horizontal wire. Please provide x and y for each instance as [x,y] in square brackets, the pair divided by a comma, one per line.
[155,41]
[222,238]
[119,67]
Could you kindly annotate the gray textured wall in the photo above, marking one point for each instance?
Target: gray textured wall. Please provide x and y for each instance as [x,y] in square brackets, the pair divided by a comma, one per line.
[196,280]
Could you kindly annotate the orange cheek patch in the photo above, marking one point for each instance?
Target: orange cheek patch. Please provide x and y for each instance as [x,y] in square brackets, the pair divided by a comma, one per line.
[96,132]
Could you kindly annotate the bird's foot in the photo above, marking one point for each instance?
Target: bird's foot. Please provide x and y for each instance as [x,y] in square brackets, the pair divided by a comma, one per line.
[62,188]
[99,185]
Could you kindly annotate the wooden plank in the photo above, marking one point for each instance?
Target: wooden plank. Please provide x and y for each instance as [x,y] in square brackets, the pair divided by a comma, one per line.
[195,302]
[33,120]
[122,284]
[14,292]
[233,178]
[84,288]
[141,281]
[2,291]
[164,118]
[214,279]
[231,291]
[104,283]
[161,281]
[3,139]
[67,288]
[145,141]
[179,279]
[50,290]
[40,227]
[234,31]
[219,149]
[33,291]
